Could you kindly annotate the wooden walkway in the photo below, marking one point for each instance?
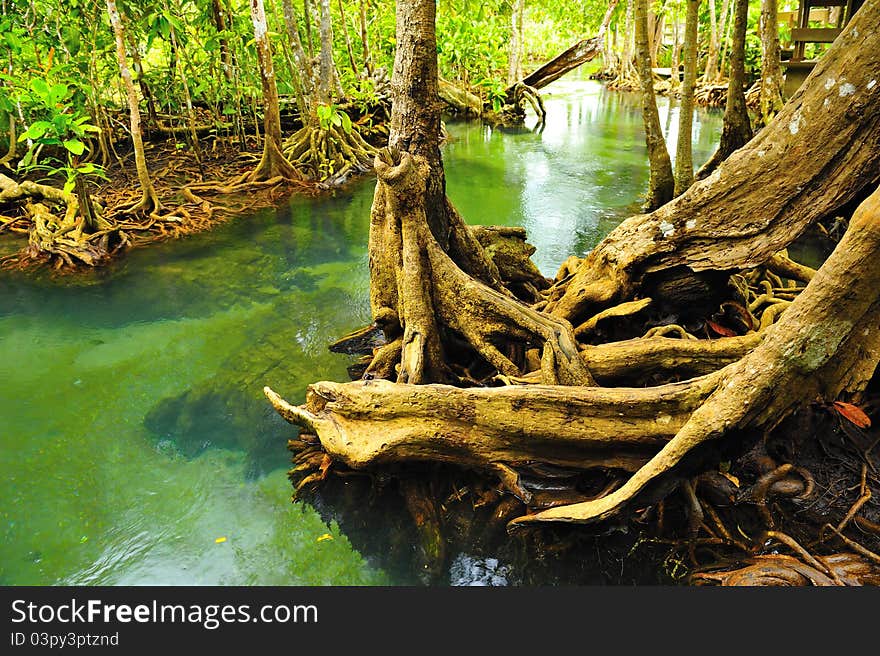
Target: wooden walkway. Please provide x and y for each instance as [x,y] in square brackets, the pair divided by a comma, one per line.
[831,16]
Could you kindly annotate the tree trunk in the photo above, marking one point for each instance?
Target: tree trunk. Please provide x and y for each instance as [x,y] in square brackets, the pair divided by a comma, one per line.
[415,119]
[272,164]
[736,129]
[724,31]
[307,15]
[328,78]
[365,44]
[771,70]
[819,153]
[515,47]
[149,201]
[303,76]
[220,26]
[354,67]
[675,58]
[662,182]
[190,112]
[711,71]
[684,162]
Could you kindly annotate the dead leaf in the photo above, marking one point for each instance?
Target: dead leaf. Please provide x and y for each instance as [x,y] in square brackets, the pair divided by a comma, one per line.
[853,413]
[720,330]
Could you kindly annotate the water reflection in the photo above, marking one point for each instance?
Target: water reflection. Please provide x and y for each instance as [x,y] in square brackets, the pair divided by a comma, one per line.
[573,181]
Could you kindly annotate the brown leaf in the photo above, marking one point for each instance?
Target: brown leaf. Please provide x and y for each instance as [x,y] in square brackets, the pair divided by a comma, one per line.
[853,413]
[720,330]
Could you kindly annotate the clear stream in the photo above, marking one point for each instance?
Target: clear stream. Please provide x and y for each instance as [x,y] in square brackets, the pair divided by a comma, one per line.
[137,447]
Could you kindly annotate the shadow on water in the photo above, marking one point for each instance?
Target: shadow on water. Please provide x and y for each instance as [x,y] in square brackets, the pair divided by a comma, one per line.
[137,446]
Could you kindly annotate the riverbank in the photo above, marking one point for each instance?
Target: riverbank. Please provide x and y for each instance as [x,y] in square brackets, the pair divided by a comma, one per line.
[197,191]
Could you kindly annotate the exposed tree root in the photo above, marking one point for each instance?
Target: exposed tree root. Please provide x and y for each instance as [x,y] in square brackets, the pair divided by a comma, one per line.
[840,569]
[329,156]
[417,288]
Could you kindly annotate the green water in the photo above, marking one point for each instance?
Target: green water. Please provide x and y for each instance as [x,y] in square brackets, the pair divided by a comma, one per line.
[137,447]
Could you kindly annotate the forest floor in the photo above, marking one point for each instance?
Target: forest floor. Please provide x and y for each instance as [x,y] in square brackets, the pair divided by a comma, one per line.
[173,171]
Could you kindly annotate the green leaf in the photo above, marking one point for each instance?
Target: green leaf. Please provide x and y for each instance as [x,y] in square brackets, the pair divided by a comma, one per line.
[75,146]
[36,130]
[346,122]
[68,186]
[58,92]
[13,42]
[39,87]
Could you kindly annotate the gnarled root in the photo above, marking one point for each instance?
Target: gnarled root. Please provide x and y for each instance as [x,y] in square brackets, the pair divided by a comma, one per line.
[840,569]
[417,289]
[367,423]
[62,237]
[329,156]
[816,349]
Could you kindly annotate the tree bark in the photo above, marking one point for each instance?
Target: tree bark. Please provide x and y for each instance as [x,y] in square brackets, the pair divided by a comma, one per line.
[365,44]
[415,120]
[303,75]
[149,201]
[515,47]
[712,56]
[272,164]
[358,72]
[328,78]
[736,129]
[220,26]
[662,183]
[771,70]
[684,161]
[724,34]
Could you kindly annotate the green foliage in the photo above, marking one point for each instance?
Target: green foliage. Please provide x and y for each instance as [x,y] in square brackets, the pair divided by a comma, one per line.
[494,90]
[331,115]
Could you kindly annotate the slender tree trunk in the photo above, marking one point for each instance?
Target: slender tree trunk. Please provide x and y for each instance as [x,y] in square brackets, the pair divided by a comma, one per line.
[712,57]
[152,117]
[272,163]
[365,44]
[726,23]
[187,96]
[328,83]
[626,61]
[358,73]
[662,182]
[307,15]
[736,130]
[771,71]
[303,75]
[675,63]
[220,26]
[149,199]
[515,47]
[684,161]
